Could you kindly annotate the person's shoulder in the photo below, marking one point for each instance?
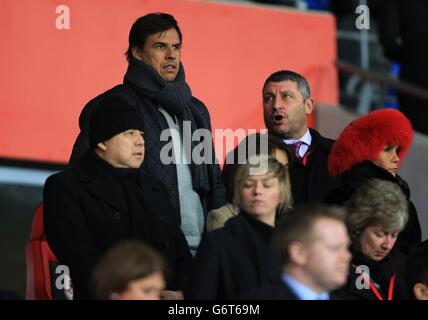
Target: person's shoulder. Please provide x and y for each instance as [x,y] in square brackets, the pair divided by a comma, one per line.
[228,210]
[218,236]
[152,182]
[60,176]
[199,106]
[320,140]
[339,195]
[217,218]
[198,102]
[62,181]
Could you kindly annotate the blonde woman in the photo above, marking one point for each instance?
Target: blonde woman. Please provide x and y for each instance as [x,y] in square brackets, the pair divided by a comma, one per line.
[250,146]
[239,256]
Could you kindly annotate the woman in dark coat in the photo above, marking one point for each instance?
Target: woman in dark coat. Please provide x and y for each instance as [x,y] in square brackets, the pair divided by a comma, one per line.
[105,199]
[377,213]
[372,147]
[250,146]
[239,257]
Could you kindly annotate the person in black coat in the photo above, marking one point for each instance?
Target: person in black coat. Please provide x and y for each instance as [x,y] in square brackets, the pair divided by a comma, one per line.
[417,272]
[372,147]
[312,244]
[377,213]
[240,256]
[287,103]
[105,198]
[403,34]
[155,83]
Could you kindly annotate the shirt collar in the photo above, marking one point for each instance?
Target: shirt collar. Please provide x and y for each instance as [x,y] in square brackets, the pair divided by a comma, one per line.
[303,292]
[306,139]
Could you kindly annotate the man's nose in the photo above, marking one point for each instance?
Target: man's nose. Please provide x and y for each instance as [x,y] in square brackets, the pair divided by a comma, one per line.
[277,104]
[170,53]
[140,140]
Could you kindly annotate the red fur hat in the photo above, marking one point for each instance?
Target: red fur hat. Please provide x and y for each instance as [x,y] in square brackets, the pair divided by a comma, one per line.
[364,138]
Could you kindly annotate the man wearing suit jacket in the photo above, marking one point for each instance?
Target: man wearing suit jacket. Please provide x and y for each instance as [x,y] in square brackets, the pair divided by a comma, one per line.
[105,198]
[287,103]
[312,246]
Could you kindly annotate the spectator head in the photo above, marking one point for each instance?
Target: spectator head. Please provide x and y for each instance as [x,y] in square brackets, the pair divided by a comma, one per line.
[312,244]
[381,136]
[116,132]
[287,103]
[155,39]
[130,270]
[377,213]
[252,145]
[262,188]
[417,272]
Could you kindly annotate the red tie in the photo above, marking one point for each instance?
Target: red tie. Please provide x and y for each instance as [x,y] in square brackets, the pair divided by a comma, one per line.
[296,147]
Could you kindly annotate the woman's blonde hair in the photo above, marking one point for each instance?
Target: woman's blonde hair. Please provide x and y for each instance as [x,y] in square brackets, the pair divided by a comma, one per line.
[376,203]
[260,165]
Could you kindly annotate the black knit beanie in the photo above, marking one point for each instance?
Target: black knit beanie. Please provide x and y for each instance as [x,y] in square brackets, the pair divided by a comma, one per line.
[110,117]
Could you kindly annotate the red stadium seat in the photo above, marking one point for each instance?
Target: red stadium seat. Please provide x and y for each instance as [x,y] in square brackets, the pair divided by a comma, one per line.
[40,261]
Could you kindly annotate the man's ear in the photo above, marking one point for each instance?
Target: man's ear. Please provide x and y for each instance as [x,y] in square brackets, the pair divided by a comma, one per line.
[102,146]
[420,291]
[309,105]
[137,53]
[297,252]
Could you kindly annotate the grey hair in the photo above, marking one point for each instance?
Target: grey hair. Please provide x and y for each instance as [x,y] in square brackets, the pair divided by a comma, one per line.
[287,75]
[376,203]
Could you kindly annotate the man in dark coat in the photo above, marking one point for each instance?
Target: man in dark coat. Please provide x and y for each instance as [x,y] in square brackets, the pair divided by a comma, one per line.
[417,272]
[287,103]
[403,33]
[155,83]
[105,198]
[312,245]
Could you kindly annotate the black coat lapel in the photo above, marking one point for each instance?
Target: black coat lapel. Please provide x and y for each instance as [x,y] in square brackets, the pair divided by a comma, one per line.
[101,183]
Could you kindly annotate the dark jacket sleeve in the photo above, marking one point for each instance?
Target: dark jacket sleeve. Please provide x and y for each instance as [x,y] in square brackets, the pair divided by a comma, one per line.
[205,277]
[67,232]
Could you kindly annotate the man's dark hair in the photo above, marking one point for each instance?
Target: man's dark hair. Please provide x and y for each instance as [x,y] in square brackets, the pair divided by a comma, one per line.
[149,24]
[287,75]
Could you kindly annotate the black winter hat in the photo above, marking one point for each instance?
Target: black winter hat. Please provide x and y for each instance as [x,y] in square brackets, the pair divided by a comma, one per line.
[110,117]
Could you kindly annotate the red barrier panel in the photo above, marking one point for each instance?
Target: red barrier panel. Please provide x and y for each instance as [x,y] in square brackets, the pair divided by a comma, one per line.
[48,74]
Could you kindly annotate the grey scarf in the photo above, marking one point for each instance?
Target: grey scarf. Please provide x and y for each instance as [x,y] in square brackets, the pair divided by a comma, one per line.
[176,98]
